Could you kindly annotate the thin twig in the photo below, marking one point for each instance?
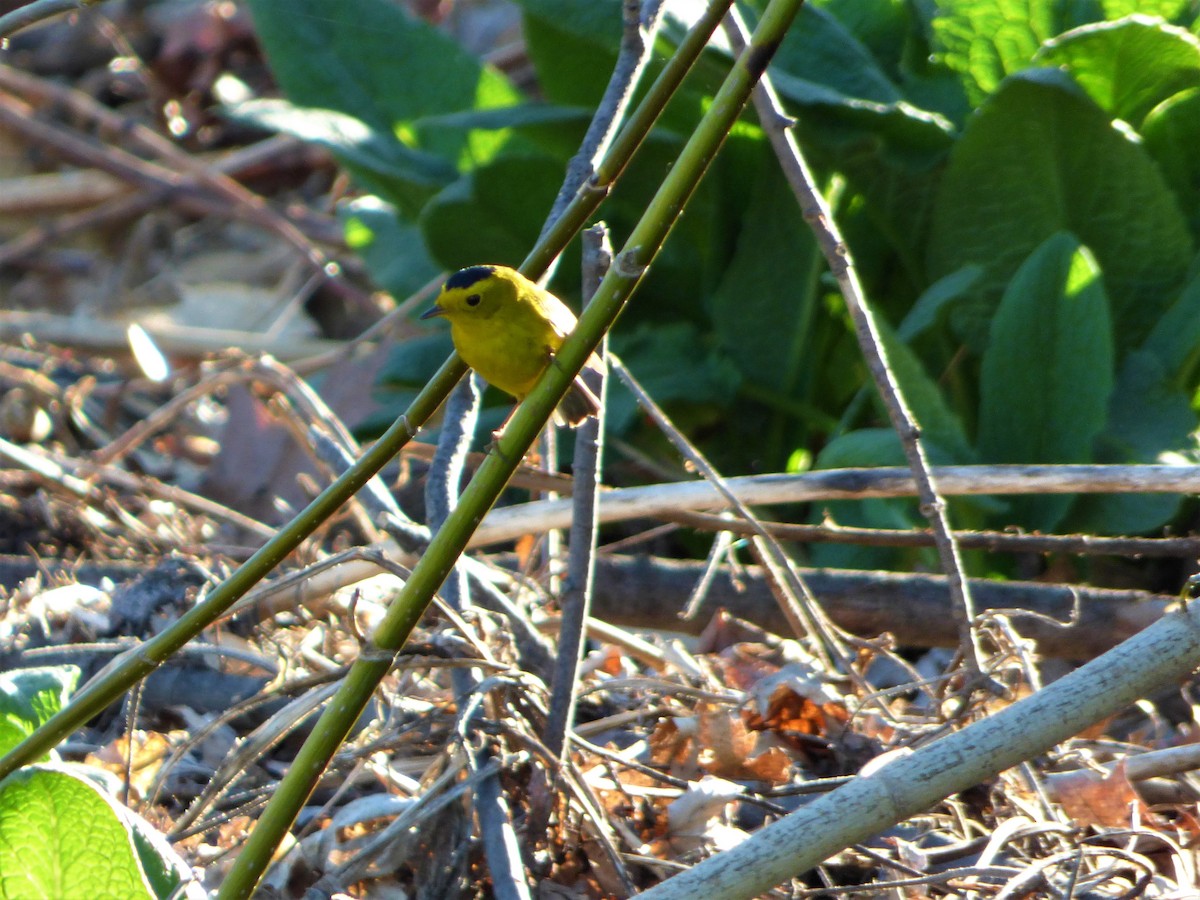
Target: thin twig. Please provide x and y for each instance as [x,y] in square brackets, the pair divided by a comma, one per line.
[12,22]
[641,21]
[799,605]
[577,597]
[837,254]
[234,196]
[993,541]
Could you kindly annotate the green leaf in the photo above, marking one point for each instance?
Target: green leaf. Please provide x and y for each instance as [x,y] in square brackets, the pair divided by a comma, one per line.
[573,61]
[370,60]
[674,365]
[820,49]
[1175,340]
[29,697]
[412,362]
[166,871]
[882,26]
[61,837]
[1040,158]
[936,299]
[764,307]
[378,160]
[493,214]
[597,22]
[985,40]
[940,425]
[864,448]
[1047,374]
[1172,134]
[1149,421]
[1170,10]
[555,129]
[910,135]
[1128,66]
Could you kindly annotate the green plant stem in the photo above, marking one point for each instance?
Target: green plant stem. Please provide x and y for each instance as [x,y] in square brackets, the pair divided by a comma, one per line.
[593,191]
[133,665]
[531,416]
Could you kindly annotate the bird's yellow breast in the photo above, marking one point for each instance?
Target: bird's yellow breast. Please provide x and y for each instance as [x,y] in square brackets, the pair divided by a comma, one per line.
[512,357]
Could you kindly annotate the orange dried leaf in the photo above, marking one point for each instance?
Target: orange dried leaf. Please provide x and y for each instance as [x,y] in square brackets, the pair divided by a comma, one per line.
[1105,800]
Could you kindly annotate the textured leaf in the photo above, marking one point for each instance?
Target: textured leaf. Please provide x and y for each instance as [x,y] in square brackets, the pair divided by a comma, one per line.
[985,40]
[674,365]
[393,251]
[401,175]
[1128,66]
[764,307]
[61,837]
[375,63]
[940,425]
[935,300]
[1047,374]
[29,697]
[1040,158]
[1172,134]
[1150,421]
[481,218]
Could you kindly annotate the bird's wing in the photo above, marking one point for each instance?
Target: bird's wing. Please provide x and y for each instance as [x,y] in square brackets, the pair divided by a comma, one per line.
[560,316]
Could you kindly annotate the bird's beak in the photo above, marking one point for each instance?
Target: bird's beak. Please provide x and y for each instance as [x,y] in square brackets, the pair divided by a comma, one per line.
[434,310]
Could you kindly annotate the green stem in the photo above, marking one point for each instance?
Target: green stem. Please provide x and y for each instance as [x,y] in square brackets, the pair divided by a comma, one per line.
[531,416]
[596,188]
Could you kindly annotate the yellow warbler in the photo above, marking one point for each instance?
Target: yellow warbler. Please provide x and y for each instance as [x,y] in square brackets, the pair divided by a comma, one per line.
[508,329]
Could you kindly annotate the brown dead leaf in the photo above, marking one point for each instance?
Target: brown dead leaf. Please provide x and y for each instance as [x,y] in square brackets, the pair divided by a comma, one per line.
[1106,800]
[259,461]
[716,741]
[791,715]
[744,665]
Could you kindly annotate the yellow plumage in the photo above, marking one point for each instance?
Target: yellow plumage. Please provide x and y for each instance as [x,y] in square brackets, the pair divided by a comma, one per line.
[508,329]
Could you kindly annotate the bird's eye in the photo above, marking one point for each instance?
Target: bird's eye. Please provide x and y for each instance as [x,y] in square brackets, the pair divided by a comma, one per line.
[473,300]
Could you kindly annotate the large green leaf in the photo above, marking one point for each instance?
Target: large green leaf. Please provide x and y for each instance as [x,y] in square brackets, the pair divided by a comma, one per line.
[985,40]
[493,214]
[882,26]
[935,300]
[820,49]
[1175,339]
[763,310]
[1150,421]
[372,61]
[676,366]
[1047,374]
[1128,66]
[1172,134]
[1170,10]
[597,22]
[29,697]
[381,163]
[940,425]
[573,47]
[1038,158]
[61,837]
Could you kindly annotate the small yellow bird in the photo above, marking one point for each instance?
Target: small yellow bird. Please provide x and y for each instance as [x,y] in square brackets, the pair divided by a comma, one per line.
[508,329]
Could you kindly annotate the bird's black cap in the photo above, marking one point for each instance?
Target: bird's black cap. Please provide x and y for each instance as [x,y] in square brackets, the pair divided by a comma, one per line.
[464,278]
